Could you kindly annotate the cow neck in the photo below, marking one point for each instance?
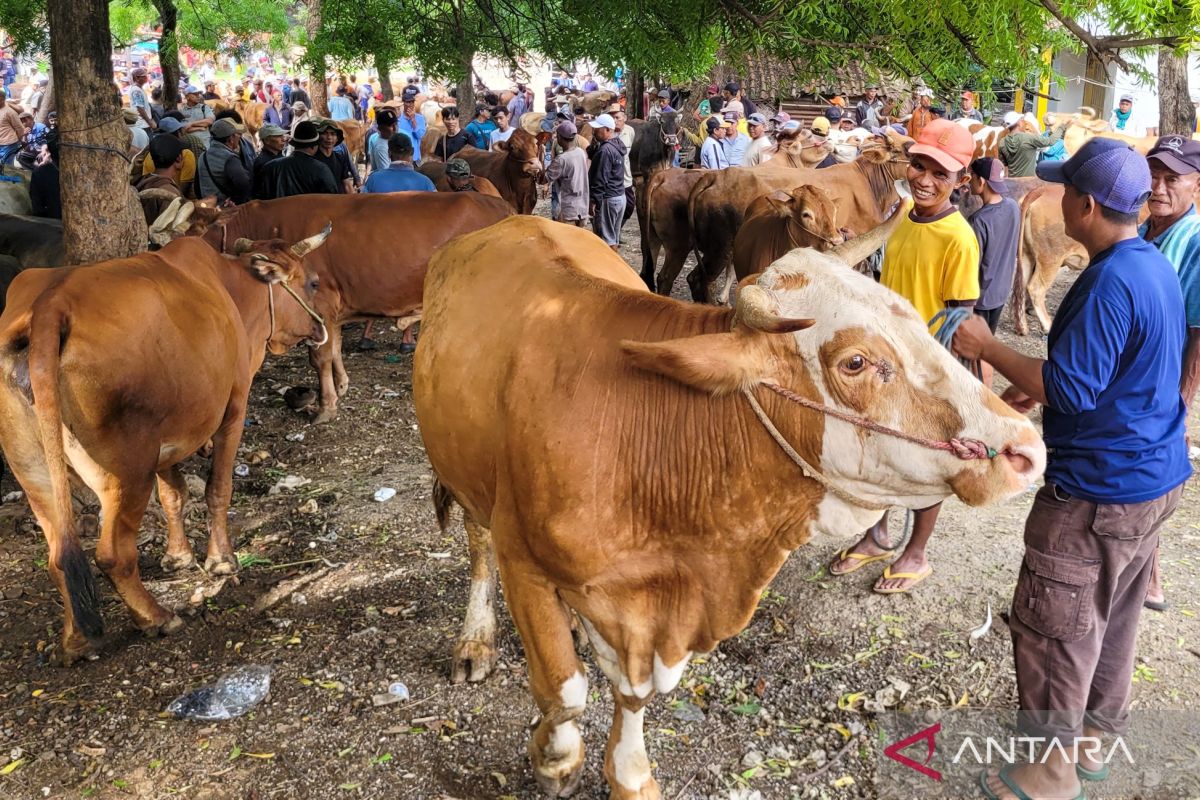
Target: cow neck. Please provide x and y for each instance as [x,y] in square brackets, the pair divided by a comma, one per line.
[880,180]
[249,296]
[713,445]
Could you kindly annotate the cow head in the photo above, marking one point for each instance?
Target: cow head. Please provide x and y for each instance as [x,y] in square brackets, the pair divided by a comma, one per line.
[838,339]
[668,129]
[522,149]
[810,214]
[281,266]
[803,150]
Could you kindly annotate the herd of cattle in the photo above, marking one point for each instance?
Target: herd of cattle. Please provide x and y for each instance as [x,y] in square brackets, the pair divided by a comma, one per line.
[624,460]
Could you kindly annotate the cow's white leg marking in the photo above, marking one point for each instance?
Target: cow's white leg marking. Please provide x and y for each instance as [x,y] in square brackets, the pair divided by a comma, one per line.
[630,763]
[667,678]
[475,653]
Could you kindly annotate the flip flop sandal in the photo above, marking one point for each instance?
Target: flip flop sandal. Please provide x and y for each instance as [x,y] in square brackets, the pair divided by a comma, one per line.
[915,577]
[857,560]
[1155,605]
[1012,786]
[1095,776]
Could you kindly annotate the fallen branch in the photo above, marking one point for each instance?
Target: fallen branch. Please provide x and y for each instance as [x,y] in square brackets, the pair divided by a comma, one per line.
[853,740]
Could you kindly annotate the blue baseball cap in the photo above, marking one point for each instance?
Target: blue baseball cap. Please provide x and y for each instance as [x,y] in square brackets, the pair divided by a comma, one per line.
[1109,170]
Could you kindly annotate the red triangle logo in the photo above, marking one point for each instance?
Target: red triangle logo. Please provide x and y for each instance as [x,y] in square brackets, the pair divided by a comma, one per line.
[928,735]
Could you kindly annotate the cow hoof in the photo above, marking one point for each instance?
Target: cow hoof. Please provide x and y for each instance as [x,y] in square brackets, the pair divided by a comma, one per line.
[72,649]
[324,415]
[341,387]
[173,625]
[647,791]
[172,563]
[473,661]
[558,776]
[223,565]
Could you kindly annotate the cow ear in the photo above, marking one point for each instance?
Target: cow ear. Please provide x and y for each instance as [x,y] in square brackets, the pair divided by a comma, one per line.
[502,146]
[717,363]
[266,270]
[781,201]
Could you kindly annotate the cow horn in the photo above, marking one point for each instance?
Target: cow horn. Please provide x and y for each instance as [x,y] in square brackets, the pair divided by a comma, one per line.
[305,246]
[242,246]
[756,309]
[861,247]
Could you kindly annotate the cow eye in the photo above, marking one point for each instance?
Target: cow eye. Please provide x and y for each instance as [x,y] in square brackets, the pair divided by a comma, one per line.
[854,364]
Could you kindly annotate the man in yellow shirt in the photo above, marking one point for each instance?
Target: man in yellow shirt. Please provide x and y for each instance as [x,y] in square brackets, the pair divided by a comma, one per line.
[169,126]
[932,260]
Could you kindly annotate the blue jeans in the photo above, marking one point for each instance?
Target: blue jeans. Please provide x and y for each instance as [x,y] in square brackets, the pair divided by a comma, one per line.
[8,153]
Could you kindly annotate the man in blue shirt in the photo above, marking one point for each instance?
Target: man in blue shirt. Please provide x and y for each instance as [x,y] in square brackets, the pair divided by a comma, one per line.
[1174,228]
[410,122]
[479,130]
[400,175]
[1114,427]
[712,152]
[378,157]
[340,106]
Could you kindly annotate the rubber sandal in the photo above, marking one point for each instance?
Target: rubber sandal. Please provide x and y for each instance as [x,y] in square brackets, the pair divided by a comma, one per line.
[915,577]
[1155,605]
[1089,775]
[1017,791]
[857,560]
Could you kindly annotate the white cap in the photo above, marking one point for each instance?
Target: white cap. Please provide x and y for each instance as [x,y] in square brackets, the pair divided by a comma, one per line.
[1011,118]
[604,121]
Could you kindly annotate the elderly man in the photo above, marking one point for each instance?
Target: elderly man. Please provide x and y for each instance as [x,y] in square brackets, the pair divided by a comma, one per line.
[334,157]
[760,143]
[1019,150]
[197,116]
[1113,422]
[606,180]
[138,100]
[1174,228]
[459,177]
[222,171]
[967,109]
[273,140]
[301,172]
[712,152]
[626,134]
[922,113]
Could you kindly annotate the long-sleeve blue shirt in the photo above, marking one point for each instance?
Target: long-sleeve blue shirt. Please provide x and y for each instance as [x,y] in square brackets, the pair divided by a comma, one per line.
[1114,418]
[415,129]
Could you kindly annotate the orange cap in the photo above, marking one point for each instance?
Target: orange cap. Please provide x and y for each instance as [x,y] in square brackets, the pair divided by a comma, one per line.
[838,101]
[947,143]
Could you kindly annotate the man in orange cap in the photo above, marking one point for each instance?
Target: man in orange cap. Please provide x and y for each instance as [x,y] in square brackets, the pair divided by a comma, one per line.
[932,260]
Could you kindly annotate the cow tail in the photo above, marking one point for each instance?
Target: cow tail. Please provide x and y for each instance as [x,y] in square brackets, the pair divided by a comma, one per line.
[48,330]
[700,187]
[443,502]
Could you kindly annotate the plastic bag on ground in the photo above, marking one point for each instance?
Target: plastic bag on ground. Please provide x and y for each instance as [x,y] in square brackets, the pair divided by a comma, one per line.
[233,694]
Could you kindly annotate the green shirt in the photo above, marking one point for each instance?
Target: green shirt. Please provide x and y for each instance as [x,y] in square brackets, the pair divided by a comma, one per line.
[1019,151]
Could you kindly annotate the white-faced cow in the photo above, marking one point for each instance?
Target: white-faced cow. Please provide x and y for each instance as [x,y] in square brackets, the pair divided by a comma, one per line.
[650,464]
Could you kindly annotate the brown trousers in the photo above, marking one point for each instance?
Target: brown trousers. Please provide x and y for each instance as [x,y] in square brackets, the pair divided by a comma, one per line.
[1076,609]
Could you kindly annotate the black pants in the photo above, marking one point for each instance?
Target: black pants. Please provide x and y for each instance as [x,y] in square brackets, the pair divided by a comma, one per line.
[991,315]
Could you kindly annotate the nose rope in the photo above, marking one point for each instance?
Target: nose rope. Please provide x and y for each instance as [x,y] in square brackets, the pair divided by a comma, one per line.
[308,310]
[950,319]
[965,449]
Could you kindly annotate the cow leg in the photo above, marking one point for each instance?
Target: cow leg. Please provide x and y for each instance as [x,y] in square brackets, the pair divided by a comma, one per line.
[1039,287]
[75,644]
[172,493]
[475,652]
[321,359]
[626,765]
[672,265]
[341,381]
[219,490]
[556,679]
[122,506]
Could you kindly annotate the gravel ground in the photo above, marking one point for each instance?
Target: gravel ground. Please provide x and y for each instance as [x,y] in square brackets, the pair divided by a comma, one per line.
[385,593]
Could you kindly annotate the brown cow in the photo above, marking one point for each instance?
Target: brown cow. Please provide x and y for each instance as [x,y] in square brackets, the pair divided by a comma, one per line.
[862,190]
[597,102]
[357,282]
[649,464]
[987,137]
[121,399]
[779,222]
[355,137]
[667,230]
[513,167]
[251,112]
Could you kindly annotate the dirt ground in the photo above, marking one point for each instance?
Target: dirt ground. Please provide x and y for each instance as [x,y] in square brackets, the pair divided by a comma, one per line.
[765,713]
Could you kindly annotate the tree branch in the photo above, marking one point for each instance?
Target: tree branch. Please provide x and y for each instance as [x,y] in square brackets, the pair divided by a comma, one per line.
[1104,52]
[1122,42]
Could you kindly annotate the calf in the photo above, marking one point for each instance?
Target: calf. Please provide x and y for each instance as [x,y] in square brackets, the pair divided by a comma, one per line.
[650,464]
[779,222]
[120,399]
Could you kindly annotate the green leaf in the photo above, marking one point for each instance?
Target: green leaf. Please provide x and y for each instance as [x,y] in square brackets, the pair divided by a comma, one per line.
[747,709]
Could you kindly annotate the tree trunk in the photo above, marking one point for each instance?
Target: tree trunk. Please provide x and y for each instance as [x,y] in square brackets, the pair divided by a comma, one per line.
[465,91]
[383,68]
[1176,114]
[168,52]
[635,92]
[47,100]
[102,218]
[318,91]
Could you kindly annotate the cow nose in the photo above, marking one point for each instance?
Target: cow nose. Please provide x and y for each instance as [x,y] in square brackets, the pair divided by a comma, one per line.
[1026,456]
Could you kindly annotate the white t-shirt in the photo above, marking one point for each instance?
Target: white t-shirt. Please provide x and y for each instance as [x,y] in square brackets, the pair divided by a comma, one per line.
[499,136]
[757,152]
[626,135]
